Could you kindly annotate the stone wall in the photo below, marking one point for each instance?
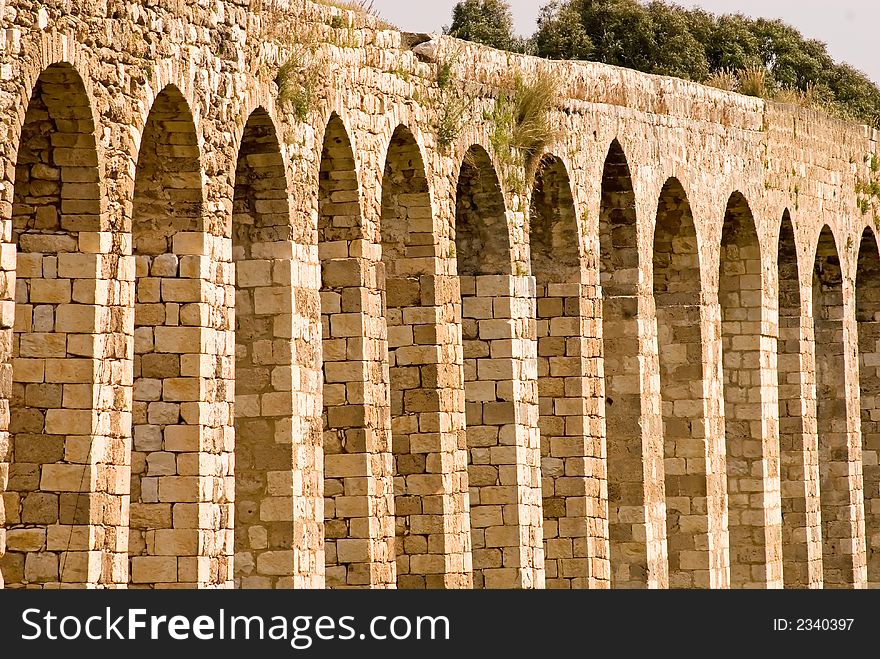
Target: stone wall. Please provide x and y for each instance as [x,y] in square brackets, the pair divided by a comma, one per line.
[277,309]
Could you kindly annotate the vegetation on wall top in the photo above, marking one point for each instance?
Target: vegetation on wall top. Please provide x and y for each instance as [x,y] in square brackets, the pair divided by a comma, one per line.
[361,8]
[755,56]
[521,123]
[489,22]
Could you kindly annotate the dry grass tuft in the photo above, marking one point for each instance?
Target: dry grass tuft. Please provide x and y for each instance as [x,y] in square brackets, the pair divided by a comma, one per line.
[450,123]
[360,8]
[723,79]
[298,80]
[521,119]
[532,102]
[753,81]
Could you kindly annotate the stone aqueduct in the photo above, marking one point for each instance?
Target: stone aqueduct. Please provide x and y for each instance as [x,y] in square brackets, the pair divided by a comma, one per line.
[240,348]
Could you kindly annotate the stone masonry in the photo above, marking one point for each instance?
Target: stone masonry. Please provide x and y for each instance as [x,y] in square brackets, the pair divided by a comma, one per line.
[278,311]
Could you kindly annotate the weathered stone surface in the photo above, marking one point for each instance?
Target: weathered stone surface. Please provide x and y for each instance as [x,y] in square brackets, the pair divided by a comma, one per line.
[377,356]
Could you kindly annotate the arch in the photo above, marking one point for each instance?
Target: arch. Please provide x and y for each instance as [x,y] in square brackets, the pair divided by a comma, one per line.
[562,307]
[406,213]
[553,230]
[429,478]
[359,550]
[339,217]
[263,533]
[483,259]
[619,257]
[167,235]
[53,498]
[831,414]
[867,295]
[801,537]
[676,257]
[749,471]
[482,239]
[633,436]
[678,303]
[406,204]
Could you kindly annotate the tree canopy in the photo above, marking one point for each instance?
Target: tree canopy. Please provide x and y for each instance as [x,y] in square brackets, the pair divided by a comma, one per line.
[489,22]
[728,50]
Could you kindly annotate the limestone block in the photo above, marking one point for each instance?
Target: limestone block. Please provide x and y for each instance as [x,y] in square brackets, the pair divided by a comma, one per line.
[79,318]
[64,478]
[41,567]
[26,540]
[153,569]
[275,562]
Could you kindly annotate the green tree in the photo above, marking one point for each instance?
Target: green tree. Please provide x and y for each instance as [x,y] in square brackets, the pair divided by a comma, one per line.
[489,22]
[561,34]
[730,44]
[676,49]
[855,94]
[793,60]
[666,39]
[620,31]
[655,38]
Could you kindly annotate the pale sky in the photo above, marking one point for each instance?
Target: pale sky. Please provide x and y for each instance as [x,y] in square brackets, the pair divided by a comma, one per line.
[849,27]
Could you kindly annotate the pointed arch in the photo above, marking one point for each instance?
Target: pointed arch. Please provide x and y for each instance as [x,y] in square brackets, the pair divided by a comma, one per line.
[676,255]
[635,453]
[339,210]
[167,214]
[263,535]
[801,536]
[431,538]
[678,302]
[572,508]
[406,212]
[751,462]
[482,239]
[554,238]
[57,491]
[358,497]
[868,321]
[834,462]
[406,207]
[483,259]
